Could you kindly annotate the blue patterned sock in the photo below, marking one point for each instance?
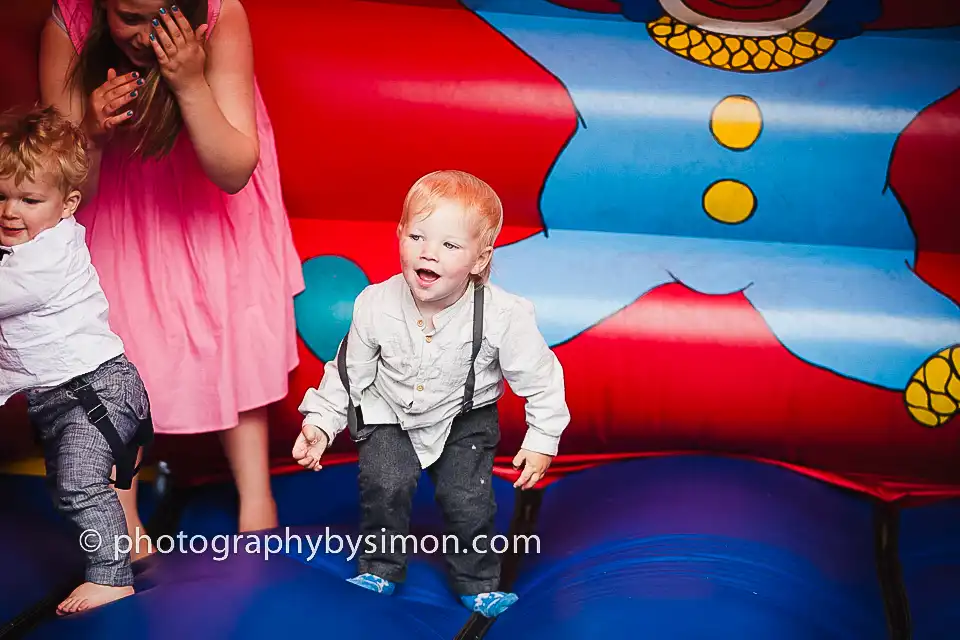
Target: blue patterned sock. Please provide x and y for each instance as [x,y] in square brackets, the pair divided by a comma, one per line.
[489,605]
[373,583]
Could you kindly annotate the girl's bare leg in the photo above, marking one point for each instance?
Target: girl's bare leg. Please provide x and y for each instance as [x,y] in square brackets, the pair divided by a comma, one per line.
[247,450]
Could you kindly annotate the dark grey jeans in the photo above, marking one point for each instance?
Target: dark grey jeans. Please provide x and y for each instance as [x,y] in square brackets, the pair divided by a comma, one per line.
[79,461]
[389,473]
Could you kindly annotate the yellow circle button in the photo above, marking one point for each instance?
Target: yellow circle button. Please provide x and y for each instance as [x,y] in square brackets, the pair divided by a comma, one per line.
[736,122]
[729,201]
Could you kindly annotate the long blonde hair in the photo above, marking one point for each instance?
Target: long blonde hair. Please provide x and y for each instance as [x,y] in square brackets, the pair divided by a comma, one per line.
[156,116]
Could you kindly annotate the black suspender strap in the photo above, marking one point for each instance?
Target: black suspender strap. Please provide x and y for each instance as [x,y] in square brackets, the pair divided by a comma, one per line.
[124,456]
[354,415]
[358,430]
[477,340]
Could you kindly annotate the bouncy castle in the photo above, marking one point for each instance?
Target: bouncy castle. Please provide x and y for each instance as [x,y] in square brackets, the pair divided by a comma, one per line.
[737,224]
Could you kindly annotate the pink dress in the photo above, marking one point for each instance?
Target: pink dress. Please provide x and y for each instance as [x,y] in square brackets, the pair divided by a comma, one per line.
[201,283]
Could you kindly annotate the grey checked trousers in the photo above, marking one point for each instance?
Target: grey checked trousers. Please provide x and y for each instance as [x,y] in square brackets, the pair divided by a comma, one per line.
[79,460]
[462,476]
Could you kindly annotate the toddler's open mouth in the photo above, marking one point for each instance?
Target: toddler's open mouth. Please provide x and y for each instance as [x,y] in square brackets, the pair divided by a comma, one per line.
[427,276]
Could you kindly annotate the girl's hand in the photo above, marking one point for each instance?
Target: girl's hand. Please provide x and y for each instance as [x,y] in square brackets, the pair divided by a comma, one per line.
[179,49]
[101,117]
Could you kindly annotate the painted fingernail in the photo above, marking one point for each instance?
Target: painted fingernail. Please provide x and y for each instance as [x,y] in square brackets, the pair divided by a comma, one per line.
[134,75]
[163,12]
[140,81]
[129,113]
[156,22]
[133,94]
[153,37]
[174,8]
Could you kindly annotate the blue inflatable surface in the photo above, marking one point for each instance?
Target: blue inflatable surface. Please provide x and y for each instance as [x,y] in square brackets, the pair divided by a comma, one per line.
[276,582]
[930,560]
[667,547]
[699,547]
[38,550]
[671,547]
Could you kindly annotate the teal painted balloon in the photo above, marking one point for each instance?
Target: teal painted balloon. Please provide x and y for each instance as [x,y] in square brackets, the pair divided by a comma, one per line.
[325,308]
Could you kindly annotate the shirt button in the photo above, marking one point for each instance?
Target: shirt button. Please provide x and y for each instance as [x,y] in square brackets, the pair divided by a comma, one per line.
[429,339]
[419,323]
[419,387]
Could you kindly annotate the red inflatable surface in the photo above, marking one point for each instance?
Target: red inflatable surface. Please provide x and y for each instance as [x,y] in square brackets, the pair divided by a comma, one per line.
[365,97]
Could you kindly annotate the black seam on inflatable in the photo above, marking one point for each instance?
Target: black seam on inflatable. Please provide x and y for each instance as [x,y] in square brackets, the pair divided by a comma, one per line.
[886,522]
[43,609]
[524,523]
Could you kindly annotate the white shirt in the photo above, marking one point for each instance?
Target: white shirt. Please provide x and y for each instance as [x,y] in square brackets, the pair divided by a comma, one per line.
[400,373]
[53,313]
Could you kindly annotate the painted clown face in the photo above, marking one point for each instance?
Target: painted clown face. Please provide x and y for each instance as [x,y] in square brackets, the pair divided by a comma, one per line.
[742,35]
[744,17]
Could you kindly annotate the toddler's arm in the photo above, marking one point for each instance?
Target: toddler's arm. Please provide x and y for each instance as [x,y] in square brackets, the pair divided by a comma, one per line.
[326,406]
[534,373]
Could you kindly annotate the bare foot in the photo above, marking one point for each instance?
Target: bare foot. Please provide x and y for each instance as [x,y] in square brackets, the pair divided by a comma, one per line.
[90,595]
[257,516]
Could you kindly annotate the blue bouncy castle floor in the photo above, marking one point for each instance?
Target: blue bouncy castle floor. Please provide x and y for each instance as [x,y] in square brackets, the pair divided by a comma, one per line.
[930,557]
[671,548]
[699,548]
[37,549]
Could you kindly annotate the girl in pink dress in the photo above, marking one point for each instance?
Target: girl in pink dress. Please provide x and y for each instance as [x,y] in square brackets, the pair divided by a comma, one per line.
[185,219]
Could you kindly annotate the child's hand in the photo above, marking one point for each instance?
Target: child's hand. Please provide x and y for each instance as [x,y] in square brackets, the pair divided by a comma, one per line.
[309,447]
[179,50]
[534,465]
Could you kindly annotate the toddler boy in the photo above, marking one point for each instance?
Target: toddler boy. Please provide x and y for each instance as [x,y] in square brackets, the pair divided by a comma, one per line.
[84,398]
[417,380]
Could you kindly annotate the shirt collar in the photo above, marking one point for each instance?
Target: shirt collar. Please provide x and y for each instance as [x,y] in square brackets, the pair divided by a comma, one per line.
[445,316]
[441,318]
[67,225]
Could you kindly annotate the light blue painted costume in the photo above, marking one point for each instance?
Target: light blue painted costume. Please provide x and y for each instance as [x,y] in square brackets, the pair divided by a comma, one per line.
[827,256]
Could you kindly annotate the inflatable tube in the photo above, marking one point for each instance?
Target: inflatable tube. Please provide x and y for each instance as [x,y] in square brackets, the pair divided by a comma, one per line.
[698,547]
[666,547]
[930,561]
